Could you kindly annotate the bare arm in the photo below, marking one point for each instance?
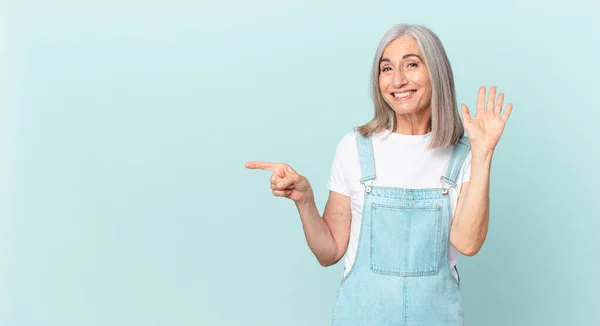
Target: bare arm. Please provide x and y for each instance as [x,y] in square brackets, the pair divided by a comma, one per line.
[470,224]
[327,237]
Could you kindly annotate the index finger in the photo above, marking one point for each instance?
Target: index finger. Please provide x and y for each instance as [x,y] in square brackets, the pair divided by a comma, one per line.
[261,165]
[481,99]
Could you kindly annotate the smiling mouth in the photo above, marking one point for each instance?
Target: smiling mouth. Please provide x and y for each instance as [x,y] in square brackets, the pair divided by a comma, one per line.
[403,95]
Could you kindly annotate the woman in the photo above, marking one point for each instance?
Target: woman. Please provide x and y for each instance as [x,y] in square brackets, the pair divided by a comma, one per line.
[408,192]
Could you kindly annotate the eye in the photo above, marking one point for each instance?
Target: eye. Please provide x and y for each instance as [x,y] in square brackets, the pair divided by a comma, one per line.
[412,65]
[385,69]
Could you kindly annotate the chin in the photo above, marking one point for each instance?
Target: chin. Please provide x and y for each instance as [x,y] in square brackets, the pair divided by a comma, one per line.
[407,110]
[402,109]
[401,112]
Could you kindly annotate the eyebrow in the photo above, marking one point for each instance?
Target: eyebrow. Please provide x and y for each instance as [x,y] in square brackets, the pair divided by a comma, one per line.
[403,57]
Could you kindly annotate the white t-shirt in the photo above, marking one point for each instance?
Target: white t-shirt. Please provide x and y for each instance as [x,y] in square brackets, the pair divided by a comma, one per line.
[402,161]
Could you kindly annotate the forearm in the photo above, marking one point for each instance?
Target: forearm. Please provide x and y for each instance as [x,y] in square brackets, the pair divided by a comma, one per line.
[470,226]
[318,235]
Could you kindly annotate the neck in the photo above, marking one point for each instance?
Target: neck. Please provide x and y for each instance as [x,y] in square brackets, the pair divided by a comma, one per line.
[413,124]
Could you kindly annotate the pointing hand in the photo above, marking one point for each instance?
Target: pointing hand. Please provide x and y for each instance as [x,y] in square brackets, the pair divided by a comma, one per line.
[285,181]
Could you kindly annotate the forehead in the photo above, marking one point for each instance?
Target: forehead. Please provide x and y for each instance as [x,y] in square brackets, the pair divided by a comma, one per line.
[405,44]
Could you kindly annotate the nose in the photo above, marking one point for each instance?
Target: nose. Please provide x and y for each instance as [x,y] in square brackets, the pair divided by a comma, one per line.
[399,78]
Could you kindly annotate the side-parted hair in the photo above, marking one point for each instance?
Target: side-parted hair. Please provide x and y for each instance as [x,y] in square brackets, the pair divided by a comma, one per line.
[446,125]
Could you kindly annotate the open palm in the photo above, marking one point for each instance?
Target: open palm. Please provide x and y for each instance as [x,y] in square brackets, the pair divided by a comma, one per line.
[485,129]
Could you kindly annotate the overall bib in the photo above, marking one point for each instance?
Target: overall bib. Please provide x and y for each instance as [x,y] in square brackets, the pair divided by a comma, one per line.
[401,274]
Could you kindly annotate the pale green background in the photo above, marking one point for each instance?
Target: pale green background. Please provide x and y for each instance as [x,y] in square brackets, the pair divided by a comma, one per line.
[125,127]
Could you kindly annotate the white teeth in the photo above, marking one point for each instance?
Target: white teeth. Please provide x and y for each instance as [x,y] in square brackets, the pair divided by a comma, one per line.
[405,94]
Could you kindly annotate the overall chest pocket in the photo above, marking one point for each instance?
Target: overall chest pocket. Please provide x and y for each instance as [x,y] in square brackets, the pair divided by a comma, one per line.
[406,237]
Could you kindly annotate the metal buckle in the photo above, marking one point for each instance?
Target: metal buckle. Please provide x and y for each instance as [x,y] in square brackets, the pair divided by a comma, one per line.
[367,188]
[444,190]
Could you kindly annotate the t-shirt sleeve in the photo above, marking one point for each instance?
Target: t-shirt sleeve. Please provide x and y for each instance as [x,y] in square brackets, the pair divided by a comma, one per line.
[337,179]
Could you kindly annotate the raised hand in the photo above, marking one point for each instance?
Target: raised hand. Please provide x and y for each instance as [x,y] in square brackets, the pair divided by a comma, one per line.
[485,129]
[285,182]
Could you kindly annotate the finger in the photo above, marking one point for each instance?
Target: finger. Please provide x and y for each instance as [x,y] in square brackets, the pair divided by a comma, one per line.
[507,112]
[281,171]
[491,100]
[279,186]
[466,113]
[278,174]
[286,183]
[480,101]
[282,193]
[276,178]
[289,169]
[261,165]
[499,103]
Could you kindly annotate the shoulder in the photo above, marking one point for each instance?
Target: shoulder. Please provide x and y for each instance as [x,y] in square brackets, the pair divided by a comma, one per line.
[464,142]
[463,149]
[347,142]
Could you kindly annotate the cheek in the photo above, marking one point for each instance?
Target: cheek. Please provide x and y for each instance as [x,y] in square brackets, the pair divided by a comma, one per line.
[425,84]
[383,83]
[382,80]
[422,80]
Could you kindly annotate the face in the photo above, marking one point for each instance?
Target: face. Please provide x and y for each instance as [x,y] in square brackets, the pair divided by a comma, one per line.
[404,78]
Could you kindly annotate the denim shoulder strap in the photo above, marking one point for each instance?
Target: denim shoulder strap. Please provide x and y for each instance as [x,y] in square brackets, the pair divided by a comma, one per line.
[459,154]
[365,155]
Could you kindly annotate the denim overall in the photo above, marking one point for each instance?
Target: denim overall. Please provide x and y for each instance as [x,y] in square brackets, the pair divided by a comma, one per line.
[401,274]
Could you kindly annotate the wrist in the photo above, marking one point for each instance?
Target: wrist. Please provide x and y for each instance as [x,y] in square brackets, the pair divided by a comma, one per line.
[481,153]
[306,199]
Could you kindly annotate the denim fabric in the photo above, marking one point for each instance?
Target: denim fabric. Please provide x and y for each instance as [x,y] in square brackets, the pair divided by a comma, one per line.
[401,274]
